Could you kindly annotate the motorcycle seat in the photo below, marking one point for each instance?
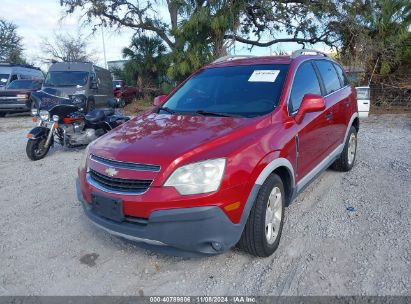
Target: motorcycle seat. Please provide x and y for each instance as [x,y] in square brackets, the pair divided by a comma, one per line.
[98,114]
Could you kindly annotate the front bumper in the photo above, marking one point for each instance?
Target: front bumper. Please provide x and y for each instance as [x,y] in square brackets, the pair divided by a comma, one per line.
[193,231]
[13,105]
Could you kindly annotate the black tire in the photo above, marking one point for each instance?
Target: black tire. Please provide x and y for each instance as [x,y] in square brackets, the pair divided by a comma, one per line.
[91,105]
[344,163]
[2,114]
[254,240]
[35,149]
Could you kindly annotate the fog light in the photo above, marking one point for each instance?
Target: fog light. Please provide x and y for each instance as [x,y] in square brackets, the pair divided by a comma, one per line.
[217,246]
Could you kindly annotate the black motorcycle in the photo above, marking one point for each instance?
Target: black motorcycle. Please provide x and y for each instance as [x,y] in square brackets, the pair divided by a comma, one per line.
[62,117]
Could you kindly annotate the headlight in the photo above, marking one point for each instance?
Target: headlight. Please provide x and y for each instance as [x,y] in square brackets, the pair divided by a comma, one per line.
[22,96]
[55,118]
[196,178]
[83,161]
[34,112]
[44,115]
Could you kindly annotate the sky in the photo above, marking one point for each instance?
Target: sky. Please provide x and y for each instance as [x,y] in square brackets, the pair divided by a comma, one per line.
[39,19]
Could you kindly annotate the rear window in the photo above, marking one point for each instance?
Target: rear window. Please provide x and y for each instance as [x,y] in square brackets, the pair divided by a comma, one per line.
[328,75]
[247,91]
[363,93]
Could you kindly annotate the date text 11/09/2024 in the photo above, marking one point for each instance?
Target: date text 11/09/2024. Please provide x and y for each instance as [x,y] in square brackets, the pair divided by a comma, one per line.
[205,299]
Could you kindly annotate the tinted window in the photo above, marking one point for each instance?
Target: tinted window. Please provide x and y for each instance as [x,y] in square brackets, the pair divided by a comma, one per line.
[305,82]
[248,91]
[329,76]
[342,75]
[13,77]
[25,84]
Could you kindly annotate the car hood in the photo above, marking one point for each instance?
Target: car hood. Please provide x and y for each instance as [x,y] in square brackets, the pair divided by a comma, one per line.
[162,138]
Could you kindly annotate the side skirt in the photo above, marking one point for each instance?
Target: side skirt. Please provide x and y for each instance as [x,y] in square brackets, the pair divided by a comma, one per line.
[314,173]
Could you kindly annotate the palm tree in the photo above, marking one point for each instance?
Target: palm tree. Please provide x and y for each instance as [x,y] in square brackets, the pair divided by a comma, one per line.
[146,59]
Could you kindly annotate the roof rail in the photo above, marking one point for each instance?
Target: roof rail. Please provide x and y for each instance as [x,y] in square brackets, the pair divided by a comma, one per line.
[297,53]
[231,57]
[19,65]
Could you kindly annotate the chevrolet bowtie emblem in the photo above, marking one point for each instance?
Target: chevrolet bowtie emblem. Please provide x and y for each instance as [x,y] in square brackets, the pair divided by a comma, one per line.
[111,172]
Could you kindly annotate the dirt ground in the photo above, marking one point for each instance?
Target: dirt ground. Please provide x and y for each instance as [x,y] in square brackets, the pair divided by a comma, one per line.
[48,246]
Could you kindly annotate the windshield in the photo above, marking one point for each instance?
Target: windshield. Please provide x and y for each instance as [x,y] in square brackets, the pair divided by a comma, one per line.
[3,79]
[247,91]
[66,78]
[24,84]
[363,93]
[117,84]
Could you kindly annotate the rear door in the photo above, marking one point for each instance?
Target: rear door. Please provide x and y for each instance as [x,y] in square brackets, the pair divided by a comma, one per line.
[335,100]
[311,137]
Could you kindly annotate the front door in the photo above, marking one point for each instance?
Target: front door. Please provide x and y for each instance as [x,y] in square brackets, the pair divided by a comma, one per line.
[311,140]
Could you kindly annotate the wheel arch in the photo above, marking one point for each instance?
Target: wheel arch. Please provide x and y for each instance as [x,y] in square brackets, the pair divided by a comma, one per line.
[284,169]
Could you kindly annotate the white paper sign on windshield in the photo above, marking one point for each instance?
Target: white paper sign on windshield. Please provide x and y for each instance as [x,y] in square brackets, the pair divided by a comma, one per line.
[3,80]
[264,76]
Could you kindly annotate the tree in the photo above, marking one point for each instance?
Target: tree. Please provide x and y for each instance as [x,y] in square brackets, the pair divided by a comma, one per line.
[147,60]
[201,30]
[65,47]
[11,49]
[376,34]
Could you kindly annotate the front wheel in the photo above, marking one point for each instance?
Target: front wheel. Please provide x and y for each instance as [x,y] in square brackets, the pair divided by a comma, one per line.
[262,232]
[36,148]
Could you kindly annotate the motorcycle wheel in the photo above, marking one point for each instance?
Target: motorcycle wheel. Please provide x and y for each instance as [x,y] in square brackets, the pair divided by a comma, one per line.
[36,149]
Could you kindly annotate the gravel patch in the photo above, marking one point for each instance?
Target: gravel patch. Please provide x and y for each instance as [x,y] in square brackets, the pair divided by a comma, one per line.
[346,234]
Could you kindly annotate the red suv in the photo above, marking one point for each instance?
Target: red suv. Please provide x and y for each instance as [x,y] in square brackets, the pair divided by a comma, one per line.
[218,159]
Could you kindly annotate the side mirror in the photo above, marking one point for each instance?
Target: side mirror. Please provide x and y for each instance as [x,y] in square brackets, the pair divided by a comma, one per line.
[310,103]
[158,101]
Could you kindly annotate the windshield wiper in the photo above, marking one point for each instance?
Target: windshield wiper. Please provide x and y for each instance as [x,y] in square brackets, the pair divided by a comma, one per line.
[206,113]
[168,110]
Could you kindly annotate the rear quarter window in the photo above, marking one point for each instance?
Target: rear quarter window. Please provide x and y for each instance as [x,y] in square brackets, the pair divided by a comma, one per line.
[343,77]
[328,75]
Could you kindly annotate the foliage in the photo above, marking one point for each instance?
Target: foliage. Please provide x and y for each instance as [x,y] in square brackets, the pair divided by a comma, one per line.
[11,49]
[65,47]
[202,30]
[376,34]
[147,63]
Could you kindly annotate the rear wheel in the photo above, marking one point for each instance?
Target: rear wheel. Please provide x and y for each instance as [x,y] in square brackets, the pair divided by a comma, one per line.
[262,233]
[347,158]
[36,149]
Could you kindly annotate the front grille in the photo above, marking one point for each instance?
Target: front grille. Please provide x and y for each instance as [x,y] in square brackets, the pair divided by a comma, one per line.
[136,186]
[126,165]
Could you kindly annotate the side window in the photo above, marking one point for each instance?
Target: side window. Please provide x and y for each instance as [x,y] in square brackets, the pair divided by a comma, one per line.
[305,82]
[329,76]
[13,77]
[342,75]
